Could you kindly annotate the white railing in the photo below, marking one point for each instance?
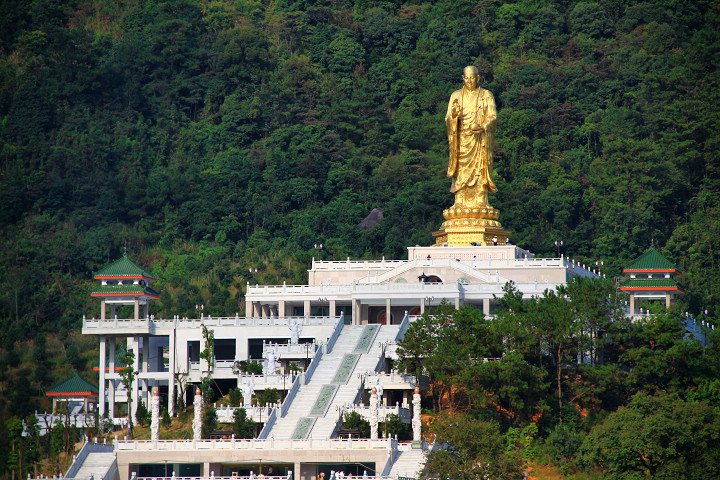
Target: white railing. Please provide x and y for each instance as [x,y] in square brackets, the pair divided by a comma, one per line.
[255,444]
[336,333]
[382,411]
[313,366]
[208,321]
[291,394]
[226,414]
[264,381]
[291,348]
[373,378]
[269,423]
[46,421]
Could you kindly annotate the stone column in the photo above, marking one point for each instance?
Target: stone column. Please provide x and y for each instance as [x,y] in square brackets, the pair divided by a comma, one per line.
[306,308]
[486,306]
[667,300]
[422,306]
[388,312]
[101,393]
[136,367]
[137,308]
[102,309]
[374,415]
[171,371]
[457,303]
[249,307]
[332,308]
[155,411]
[197,415]
[416,423]
[281,308]
[111,372]
[632,304]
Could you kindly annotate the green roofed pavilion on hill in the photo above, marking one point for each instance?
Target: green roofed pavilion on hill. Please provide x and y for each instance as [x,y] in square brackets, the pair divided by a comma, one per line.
[651,261]
[123,268]
[650,277]
[73,386]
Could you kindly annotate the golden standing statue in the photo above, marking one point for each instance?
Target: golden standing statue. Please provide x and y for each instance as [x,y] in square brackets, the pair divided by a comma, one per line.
[471,119]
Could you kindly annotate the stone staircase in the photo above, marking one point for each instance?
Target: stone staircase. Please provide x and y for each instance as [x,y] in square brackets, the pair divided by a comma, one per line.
[293,424]
[408,463]
[95,461]
[315,411]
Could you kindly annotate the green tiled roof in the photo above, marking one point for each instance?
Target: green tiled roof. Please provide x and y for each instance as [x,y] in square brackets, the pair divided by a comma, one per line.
[120,290]
[124,268]
[73,385]
[651,260]
[646,283]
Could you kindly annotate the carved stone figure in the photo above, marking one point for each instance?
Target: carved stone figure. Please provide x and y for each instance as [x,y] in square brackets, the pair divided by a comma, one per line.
[295,329]
[271,357]
[374,414]
[197,415]
[416,423]
[470,120]
[155,418]
[247,392]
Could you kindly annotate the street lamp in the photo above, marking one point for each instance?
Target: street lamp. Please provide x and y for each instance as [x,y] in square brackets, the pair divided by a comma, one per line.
[318,247]
[558,244]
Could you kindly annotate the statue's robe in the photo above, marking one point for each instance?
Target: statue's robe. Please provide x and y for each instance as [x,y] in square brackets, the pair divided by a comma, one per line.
[471,153]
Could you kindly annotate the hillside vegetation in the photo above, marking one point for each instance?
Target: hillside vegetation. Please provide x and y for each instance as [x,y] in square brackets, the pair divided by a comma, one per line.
[210,139]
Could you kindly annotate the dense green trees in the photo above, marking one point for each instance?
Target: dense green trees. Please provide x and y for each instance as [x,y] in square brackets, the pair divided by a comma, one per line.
[210,138]
[603,392]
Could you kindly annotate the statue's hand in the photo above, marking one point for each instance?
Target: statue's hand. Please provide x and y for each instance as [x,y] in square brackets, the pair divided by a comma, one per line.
[476,128]
[455,109]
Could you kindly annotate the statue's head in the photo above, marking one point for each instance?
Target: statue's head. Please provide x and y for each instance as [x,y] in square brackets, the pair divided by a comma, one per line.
[471,77]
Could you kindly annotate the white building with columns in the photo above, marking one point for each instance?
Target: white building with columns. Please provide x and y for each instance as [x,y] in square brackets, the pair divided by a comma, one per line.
[350,316]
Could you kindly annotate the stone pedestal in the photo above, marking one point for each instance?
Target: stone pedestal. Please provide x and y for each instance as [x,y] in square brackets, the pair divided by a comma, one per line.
[471,226]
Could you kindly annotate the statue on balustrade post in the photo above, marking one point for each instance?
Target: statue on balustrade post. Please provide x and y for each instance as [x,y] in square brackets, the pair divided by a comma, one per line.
[247,392]
[295,330]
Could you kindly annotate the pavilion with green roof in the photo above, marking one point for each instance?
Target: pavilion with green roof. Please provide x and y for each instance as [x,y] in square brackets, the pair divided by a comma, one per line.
[74,389]
[124,283]
[650,277]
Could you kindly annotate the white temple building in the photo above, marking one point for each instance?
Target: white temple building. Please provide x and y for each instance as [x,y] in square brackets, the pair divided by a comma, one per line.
[341,329]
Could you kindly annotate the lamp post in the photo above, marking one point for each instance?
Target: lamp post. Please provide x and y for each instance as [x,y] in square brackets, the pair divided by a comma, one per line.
[318,247]
[558,244]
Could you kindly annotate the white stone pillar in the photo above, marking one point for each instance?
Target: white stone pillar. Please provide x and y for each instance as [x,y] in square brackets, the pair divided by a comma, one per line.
[374,415]
[102,309]
[332,308]
[249,307]
[632,304]
[486,306]
[111,372]
[137,308]
[306,308]
[136,367]
[422,306]
[155,412]
[457,303]
[281,308]
[416,423]
[101,393]
[388,311]
[171,371]
[197,415]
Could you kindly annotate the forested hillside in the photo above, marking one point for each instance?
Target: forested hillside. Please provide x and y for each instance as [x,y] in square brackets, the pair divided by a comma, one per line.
[210,138]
